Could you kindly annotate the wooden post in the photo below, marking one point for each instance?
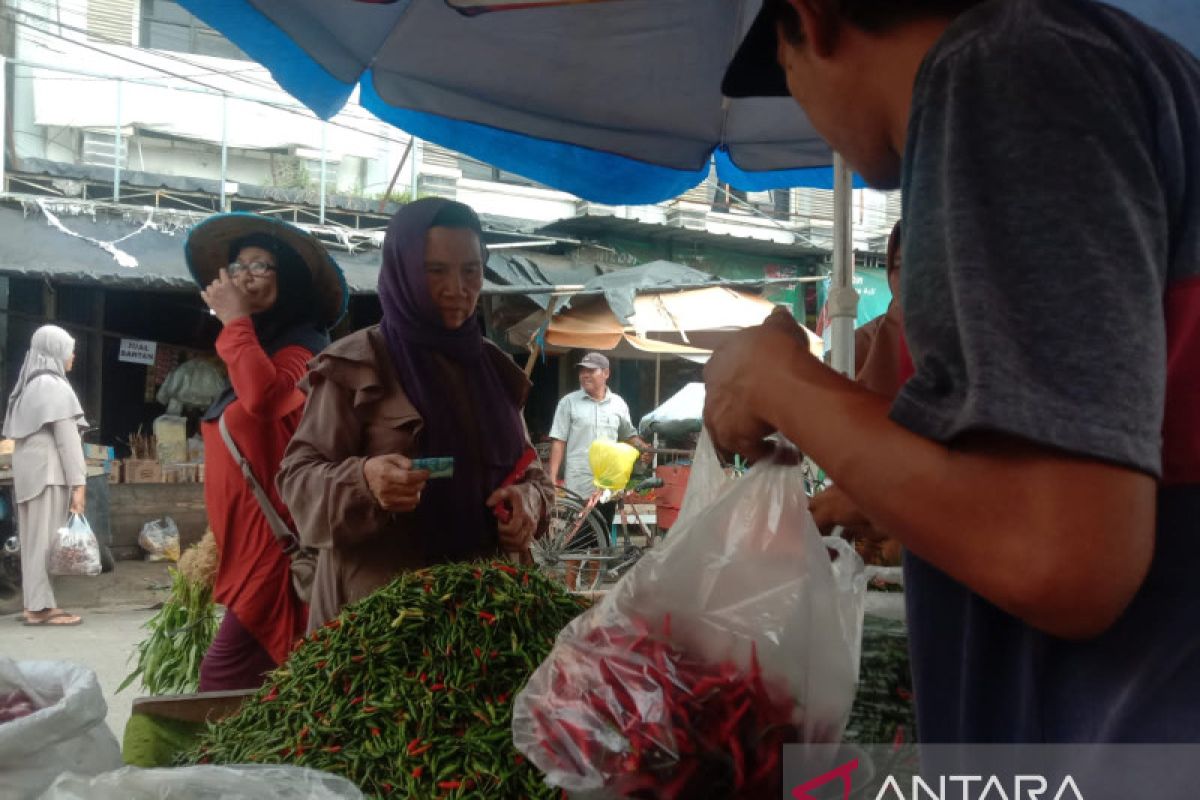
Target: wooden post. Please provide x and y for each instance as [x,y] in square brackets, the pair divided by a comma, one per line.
[534,348]
[49,301]
[396,175]
[96,359]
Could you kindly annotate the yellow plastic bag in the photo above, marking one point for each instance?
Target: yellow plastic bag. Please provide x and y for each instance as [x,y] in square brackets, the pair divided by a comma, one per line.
[612,463]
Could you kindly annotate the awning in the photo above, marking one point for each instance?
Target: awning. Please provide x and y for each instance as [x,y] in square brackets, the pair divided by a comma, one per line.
[687,323]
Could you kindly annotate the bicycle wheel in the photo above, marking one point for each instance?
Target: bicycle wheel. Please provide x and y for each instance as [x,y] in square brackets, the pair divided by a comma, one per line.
[571,530]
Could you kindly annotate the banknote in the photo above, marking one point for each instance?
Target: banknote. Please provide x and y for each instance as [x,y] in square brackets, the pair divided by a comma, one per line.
[442,467]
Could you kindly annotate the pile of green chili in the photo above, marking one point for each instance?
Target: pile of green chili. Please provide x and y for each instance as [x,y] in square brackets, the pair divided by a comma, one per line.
[409,692]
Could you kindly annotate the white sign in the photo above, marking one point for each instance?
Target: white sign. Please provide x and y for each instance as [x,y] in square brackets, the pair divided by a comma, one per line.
[136,351]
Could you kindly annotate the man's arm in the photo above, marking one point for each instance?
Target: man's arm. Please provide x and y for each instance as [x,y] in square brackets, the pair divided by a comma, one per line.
[628,434]
[1039,387]
[558,450]
[1029,528]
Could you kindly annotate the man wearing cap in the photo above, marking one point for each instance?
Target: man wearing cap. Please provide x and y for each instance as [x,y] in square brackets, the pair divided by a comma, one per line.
[1041,465]
[594,412]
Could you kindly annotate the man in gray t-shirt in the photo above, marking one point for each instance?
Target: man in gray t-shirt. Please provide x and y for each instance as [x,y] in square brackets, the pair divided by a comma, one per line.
[1041,466]
[593,412]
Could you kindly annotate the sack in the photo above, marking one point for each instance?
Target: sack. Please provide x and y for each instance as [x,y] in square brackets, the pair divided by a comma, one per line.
[160,539]
[66,732]
[74,549]
[612,463]
[260,782]
[738,634]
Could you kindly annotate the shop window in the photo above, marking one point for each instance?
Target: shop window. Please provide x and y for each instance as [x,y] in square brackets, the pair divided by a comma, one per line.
[166,25]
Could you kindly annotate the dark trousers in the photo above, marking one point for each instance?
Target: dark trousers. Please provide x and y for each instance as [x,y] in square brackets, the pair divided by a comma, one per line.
[235,660]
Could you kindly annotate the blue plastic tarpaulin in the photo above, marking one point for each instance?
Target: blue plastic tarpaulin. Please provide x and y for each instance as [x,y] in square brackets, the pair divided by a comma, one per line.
[616,102]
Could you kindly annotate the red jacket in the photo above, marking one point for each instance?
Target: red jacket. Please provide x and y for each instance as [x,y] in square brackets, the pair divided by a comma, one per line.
[253,580]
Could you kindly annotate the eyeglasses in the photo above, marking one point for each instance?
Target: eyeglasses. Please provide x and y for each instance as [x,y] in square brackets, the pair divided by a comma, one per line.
[255,268]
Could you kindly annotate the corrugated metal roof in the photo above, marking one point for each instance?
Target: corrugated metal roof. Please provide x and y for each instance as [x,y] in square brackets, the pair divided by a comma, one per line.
[142,248]
[599,225]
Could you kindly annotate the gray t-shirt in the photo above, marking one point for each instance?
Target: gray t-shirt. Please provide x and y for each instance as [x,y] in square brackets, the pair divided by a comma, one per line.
[579,420]
[1051,253]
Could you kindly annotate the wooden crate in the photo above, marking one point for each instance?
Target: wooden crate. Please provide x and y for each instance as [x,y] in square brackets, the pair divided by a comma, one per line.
[142,471]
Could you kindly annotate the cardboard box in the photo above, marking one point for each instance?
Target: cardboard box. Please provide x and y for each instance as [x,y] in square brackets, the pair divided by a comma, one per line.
[143,471]
[98,452]
[114,472]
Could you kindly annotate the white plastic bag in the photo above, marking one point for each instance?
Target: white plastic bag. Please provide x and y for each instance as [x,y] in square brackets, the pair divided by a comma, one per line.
[740,629]
[67,732]
[160,539]
[74,549]
[250,782]
[708,479]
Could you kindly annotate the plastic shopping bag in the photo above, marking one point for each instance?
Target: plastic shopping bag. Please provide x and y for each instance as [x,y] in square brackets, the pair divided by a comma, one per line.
[260,782]
[741,633]
[74,549]
[160,539]
[612,463]
[66,730]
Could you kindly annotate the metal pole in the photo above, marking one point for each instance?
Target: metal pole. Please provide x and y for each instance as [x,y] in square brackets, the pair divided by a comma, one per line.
[843,300]
[224,146]
[657,379]
[324,161]
[413,169]
[117,150]
[3,116]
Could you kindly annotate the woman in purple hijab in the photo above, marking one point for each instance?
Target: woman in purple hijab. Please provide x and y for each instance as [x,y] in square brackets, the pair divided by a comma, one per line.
[423,384]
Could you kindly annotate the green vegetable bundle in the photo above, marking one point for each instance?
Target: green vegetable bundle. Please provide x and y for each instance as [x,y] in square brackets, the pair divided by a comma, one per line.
[409,692]
[168,659]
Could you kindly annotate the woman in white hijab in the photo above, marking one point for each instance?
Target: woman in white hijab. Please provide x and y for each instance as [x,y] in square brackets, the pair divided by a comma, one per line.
[49,473]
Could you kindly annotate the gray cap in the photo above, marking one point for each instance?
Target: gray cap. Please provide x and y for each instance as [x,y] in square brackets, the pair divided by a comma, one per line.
[594,361]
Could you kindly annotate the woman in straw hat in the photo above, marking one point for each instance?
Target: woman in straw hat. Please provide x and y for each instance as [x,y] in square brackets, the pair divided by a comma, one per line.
[276,292]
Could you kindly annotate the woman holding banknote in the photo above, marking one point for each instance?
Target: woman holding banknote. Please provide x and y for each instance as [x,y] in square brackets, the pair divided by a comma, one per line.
[423,384]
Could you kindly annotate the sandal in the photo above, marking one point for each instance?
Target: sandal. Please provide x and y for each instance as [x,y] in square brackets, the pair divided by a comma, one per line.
[51,620]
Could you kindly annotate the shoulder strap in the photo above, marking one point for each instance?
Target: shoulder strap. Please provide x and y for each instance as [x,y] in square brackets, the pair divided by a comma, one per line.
[286,536]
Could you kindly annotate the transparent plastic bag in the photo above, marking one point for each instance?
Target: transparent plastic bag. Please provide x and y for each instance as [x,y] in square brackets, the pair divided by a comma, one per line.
[74,549]
[249,782]
[612,463]
[160,539]
[707,481]
[740,633]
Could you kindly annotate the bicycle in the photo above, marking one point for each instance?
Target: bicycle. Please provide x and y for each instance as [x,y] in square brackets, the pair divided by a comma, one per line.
[580,537]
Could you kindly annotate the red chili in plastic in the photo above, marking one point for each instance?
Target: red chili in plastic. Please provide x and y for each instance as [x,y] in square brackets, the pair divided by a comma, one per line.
[720,732]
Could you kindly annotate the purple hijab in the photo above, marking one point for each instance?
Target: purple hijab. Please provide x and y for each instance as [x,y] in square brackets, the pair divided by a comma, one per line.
[454,520]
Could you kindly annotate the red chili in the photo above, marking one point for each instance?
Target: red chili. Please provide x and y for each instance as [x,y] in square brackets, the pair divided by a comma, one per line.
[449,784]
[489,617]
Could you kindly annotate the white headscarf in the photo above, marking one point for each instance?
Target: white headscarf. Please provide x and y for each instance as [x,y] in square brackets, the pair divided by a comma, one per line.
[42,394]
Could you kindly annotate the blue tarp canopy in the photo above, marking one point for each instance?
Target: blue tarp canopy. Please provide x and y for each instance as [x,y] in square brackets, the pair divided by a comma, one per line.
[616,102]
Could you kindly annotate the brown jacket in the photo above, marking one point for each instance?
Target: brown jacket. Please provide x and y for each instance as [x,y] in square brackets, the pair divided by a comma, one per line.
[357,409]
